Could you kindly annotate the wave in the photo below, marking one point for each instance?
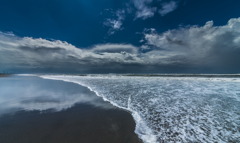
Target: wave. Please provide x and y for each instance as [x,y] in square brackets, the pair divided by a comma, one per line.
[172,109]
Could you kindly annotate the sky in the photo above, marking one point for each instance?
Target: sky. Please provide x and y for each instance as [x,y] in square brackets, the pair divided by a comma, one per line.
[120,36]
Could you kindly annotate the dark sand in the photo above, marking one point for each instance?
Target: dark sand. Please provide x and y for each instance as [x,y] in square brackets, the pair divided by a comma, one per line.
[82,123]
[4,75]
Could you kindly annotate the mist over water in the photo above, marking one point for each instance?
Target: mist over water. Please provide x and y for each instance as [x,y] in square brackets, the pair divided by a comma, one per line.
[173,109]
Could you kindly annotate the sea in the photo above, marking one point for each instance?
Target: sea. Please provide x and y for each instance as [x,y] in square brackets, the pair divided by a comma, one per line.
[172,108]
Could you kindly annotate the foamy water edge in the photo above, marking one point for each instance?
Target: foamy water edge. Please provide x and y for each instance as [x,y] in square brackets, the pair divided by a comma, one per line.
[142,130]
[141,126]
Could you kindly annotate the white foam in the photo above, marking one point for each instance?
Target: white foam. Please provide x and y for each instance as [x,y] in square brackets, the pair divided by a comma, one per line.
[172,109]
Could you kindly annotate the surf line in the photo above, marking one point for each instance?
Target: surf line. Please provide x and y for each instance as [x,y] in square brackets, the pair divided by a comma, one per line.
[142,130]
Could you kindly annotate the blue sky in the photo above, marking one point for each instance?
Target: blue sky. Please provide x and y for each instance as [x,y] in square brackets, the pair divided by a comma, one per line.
[125,36]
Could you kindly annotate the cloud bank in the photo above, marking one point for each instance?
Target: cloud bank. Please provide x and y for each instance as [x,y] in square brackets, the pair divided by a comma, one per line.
[43,55]
[208,46]
[211,49]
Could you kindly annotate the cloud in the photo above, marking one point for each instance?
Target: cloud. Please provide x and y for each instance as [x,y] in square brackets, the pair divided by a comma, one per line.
[114,48]
[41,54]
[191,49]
[115,24]
[167,7]
[207,46]
[146,10]
[143,10]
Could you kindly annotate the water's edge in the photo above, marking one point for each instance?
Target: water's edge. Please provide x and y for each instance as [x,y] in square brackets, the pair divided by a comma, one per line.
[134,114]
[186,109]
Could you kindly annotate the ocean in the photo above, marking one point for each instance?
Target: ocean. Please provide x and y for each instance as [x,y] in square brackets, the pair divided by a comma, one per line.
[172,108]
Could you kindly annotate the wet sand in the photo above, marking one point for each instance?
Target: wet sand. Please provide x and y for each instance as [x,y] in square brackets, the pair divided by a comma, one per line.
[83,122]
[4,75]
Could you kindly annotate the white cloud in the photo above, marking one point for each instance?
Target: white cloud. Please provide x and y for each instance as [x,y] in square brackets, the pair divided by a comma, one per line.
[204,45]
[115,24]
[27,52]
[211,47]
[167,7]
[143,10]
[114,48]
[146,12]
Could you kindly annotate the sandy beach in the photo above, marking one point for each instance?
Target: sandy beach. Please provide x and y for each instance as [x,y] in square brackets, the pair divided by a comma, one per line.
[92,120]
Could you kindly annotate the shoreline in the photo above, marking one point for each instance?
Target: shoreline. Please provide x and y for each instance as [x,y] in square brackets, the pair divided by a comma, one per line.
[104,99]
[82,122]
[5,75]
[146,75]
[139,122]
[145,128]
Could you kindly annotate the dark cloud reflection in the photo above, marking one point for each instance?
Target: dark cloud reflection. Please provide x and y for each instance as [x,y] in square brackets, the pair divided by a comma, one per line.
[33,93]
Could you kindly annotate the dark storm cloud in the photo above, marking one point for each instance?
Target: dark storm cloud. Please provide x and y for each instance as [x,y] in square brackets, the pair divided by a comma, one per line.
[193,49]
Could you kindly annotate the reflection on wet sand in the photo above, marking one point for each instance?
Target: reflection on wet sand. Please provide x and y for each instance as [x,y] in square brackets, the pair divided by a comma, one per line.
[33,93]
[38,110]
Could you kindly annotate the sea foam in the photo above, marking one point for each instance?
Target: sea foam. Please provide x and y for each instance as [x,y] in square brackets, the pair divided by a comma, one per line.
[172,109]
